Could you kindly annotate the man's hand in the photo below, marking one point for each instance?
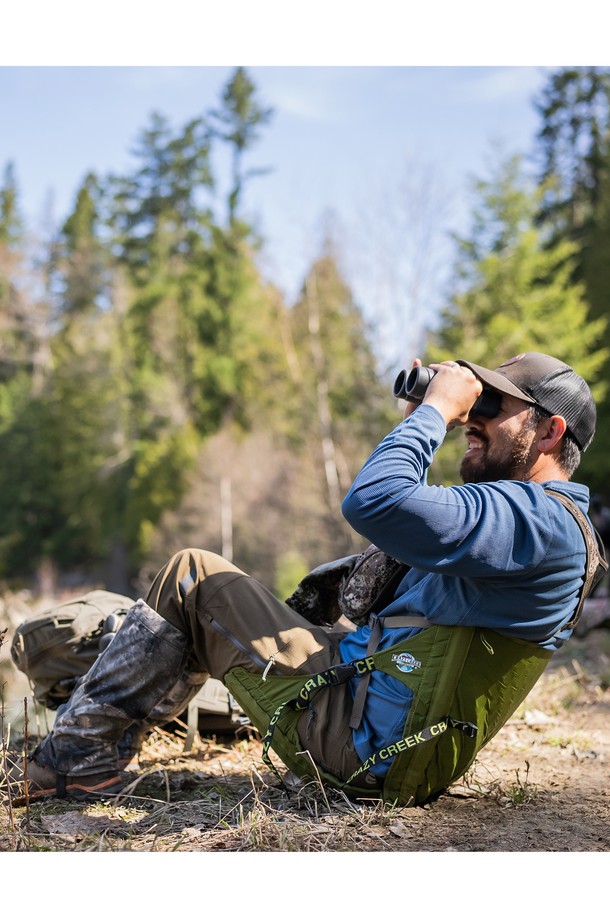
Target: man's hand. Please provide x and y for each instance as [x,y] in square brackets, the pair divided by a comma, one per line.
[409,405]
[452,391]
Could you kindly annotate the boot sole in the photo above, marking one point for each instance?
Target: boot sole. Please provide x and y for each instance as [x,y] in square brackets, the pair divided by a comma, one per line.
[72,791]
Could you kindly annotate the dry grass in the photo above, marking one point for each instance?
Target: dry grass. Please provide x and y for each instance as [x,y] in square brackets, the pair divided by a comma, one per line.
[217,797]
[541,785]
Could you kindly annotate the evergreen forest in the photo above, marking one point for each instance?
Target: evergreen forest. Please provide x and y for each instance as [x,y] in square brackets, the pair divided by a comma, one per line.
[157,391]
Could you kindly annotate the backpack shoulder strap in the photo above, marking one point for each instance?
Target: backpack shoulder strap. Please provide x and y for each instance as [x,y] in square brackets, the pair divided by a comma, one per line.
[597,565]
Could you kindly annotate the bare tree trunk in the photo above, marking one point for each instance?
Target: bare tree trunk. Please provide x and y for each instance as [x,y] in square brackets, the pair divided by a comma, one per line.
[46,579]
[289,348]
[400,256]
[226,518]
[117,568]
[323,407]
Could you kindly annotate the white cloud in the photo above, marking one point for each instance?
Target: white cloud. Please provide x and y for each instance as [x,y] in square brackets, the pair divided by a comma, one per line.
[491,84]
[301,104]
[308,93]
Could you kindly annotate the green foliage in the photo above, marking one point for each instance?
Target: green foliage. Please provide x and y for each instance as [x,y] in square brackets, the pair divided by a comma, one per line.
[17,340]
[333,345]
[11,224]
[596,270]
[158,360]
[237,122]
[81,262]
[291,569]
[574,110]
[154,362]
[157,213]
[156,483]
[515,292]
[574,146]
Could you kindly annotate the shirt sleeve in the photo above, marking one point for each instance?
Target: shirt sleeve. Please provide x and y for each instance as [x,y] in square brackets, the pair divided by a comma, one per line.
[474,530]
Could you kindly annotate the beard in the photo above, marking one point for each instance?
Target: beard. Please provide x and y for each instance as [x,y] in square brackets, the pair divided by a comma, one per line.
[513,463]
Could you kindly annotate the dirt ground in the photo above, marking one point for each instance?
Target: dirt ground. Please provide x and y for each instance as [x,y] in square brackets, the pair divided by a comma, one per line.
[542,785]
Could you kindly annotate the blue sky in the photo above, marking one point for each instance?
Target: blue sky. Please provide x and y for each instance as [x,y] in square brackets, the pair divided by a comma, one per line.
[364,104]
[342,139]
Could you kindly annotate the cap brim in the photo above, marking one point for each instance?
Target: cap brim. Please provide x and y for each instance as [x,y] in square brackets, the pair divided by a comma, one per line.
[496,381]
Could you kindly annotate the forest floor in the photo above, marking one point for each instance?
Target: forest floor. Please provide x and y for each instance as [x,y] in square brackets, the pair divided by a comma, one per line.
[541,785]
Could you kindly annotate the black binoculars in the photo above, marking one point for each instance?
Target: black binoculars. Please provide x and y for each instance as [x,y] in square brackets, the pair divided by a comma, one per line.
[412,386]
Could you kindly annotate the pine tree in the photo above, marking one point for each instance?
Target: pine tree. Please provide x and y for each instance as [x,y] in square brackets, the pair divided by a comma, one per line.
[514,292]
[574,144]
[195,309]
[81,264]
[344,408]
[574,110]
[237,122]
[15,341]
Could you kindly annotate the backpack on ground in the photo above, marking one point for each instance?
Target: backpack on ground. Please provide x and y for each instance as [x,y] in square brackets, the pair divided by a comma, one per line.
[55,647]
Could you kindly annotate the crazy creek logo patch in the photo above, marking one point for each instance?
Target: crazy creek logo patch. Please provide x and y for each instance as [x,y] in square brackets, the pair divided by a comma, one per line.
[405,662]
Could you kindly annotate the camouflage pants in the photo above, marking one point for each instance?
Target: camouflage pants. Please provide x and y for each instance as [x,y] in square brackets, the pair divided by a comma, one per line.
[205,615]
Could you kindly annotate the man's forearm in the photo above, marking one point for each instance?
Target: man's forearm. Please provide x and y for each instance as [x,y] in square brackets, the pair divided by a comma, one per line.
[392,475]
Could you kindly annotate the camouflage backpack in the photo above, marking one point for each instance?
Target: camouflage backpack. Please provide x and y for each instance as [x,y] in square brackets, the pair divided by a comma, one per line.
[57,646]
[54,648]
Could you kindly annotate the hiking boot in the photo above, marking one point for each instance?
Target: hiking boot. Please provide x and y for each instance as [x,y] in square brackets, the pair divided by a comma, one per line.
[120,691]
[42,783]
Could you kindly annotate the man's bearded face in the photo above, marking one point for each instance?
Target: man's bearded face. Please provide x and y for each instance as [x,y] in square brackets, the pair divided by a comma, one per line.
[499,449]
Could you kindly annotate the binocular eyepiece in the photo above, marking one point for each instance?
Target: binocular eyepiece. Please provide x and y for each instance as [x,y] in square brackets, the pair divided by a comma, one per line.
[412,386]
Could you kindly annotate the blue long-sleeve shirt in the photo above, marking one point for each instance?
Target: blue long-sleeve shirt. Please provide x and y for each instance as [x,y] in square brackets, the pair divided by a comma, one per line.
[501,555]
